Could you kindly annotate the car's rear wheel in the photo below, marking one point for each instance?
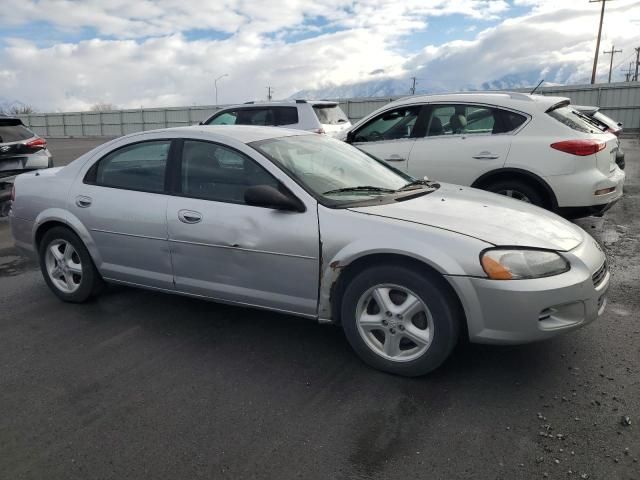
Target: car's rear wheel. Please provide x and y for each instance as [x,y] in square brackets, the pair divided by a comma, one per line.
[67,266]
[517,190]
[400,319]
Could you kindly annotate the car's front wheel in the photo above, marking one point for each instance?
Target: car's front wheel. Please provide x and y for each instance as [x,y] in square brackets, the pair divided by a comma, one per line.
[400,319]
[67,266]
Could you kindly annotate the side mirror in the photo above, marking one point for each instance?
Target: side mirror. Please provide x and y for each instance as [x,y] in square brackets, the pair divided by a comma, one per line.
[350,136]
[269,197]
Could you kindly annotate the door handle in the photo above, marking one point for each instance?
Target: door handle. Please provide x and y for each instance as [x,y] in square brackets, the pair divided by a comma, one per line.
[83,201]
[189,216]
[394,158]
[486,156]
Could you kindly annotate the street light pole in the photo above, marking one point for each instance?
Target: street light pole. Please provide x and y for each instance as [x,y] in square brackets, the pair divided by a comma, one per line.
[215,84]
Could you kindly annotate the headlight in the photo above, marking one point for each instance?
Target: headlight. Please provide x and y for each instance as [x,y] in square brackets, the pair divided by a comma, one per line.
[516,264]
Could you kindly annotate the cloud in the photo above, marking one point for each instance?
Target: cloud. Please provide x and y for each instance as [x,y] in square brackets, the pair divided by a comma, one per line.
[144,54]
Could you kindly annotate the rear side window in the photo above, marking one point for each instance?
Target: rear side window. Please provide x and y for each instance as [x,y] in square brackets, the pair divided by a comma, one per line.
[461,119]
[285,115]
[137,167]
[330,114]
[572,119]
[14,133]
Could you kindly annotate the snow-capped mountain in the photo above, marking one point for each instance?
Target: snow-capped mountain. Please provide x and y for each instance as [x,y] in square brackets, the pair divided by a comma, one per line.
[402,86]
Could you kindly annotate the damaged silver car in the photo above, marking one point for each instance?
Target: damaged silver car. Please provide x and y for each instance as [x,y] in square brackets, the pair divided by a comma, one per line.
[306,225]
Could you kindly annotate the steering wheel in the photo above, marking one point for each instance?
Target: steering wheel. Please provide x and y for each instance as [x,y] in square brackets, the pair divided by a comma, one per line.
[375,136]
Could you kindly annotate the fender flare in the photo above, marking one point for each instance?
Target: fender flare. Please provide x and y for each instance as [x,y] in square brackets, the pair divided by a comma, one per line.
[538,180]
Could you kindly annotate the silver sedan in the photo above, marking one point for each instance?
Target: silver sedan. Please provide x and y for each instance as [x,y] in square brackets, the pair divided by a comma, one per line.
[307,225]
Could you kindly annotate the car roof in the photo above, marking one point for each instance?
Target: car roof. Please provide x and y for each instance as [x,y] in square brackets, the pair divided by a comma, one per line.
[239,133]
[281,103]
[516,100]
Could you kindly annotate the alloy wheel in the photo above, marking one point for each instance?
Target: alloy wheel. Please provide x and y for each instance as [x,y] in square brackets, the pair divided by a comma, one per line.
[63,266]
[394,322]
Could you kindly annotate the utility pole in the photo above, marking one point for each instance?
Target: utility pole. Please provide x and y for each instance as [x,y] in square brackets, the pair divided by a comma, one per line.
[635,77]
[595,58]
[413,86]
[629,73]
[611,52]
[269,93]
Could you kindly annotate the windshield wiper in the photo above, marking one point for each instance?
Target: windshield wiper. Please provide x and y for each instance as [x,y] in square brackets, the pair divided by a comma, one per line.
[363,188]
[416,183]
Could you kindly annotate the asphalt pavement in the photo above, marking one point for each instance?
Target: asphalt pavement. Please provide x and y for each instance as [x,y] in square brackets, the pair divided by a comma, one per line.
[138,384]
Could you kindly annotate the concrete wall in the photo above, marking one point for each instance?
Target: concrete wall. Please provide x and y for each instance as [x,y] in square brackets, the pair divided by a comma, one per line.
[620,101]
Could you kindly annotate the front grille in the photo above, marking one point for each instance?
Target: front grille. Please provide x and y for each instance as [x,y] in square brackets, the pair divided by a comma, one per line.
[599,274]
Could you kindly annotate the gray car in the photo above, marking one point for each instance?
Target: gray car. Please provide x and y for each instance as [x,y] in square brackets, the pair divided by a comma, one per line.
[303,224]
[21,150]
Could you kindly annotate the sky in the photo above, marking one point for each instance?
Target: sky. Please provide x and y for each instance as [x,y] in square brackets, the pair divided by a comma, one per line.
[67,55]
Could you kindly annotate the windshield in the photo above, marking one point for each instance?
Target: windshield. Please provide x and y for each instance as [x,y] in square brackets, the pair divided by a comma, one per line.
[330,114]
[331,169]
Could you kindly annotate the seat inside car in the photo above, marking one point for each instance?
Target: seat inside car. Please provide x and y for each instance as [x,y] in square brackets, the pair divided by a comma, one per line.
[458,122]
[435,128]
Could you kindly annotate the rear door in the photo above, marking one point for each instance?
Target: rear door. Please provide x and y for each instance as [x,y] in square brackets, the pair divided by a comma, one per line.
[462,142]
[224,249]
[121,200]
[391,135]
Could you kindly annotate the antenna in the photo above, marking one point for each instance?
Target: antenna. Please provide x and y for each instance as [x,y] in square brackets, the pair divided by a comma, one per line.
[536,87]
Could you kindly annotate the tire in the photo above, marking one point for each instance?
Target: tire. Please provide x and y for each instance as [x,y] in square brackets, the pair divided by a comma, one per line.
[518,190]
[435,320]
[70,273]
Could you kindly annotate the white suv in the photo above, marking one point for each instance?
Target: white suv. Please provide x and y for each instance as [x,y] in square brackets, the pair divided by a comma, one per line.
[319,116]
[530,147]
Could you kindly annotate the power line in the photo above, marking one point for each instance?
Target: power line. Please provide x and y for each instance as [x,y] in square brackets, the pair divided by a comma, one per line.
[611,52]
[595,58]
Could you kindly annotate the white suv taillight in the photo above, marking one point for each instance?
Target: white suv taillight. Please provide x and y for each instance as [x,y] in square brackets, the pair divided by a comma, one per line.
[582,148]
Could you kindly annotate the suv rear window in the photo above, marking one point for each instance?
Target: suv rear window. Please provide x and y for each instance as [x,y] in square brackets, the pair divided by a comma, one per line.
[14,133]
[330,114]
[573,119]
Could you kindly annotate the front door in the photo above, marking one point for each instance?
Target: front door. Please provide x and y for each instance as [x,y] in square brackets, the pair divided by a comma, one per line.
[121,201]
[227,250]
[390,136]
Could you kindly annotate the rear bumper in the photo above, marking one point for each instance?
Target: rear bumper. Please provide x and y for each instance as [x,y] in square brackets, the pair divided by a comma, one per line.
[576,193]
[522,311]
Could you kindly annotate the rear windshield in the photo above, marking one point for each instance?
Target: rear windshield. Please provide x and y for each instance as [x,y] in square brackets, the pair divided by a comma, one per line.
[574,119]
[608,121]
[330,114]
[14,133]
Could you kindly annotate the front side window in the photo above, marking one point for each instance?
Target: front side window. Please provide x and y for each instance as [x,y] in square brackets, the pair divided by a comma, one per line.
[226,118]
[141,166]
[461,119]
[391,125]
[333,170]
[212,172]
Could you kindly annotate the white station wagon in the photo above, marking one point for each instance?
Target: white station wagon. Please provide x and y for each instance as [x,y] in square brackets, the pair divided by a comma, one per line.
[530,147]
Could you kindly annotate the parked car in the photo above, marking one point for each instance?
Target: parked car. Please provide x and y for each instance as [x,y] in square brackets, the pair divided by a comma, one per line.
[530,147]
[307,225]
[607,124]
[21,150]
[319,116]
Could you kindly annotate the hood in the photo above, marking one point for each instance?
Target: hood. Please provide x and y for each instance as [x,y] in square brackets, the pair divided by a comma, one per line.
[486,216]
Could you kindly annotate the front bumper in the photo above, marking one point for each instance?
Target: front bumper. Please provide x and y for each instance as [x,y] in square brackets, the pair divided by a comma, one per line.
[522,311]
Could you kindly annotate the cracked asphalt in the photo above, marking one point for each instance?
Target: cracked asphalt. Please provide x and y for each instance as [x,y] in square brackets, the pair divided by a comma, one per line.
[140,384]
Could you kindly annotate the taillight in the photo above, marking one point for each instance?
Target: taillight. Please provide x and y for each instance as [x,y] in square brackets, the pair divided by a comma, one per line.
[581,148]
[36,144]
